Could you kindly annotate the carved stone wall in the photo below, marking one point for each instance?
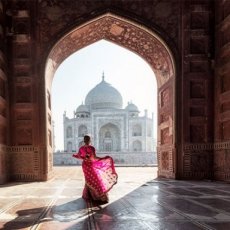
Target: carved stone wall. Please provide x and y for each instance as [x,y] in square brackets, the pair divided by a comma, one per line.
[3,97]
[40,32]
[26,144]
[197,89]
[166,131]
[34,28]
[56,16]
[222,91]
[24,163]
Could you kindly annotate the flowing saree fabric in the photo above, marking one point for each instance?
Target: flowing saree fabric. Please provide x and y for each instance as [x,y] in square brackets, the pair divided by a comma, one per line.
[100,174]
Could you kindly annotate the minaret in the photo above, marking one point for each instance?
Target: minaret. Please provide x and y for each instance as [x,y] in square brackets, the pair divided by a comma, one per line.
[103,76]
[64,116]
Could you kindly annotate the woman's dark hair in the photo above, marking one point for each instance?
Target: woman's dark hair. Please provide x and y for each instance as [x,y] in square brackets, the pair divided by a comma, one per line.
[86,139]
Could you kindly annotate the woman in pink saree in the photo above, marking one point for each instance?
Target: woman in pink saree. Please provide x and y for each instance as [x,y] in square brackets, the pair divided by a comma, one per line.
[99,173]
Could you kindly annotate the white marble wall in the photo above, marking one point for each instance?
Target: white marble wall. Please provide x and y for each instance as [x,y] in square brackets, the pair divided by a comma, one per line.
[121,158]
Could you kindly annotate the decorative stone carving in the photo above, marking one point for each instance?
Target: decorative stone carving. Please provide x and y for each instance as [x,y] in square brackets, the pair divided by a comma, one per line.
[118,122]
[219,161]
[22,70]
[197,111]
[23,94]
[203,153]
[123,33]
[197,89]
[207,146]
[164,117]
[23,52]
[165,99]
[24,163]
[127,34]
[49,99]
[23,80]
[198,45]
[50,138]
[222,92]
[165,136]
[165,161]
[197,133]
[201,66]
[199,20]
[55,16]
[56,19]
[24,115]
[201,161]
[187,162]
[21,27]
[24,136]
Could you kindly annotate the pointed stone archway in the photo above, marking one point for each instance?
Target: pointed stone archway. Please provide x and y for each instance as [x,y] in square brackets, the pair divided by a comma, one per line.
[140,40]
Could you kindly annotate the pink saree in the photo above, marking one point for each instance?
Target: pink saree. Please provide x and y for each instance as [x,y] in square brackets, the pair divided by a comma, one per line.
[99,173]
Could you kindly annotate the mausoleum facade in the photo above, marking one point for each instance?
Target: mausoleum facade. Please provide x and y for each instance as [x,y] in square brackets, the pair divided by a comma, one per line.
[111,127]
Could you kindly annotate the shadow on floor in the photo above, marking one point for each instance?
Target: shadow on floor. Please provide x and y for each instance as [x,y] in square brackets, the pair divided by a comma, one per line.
[157,204]
[66,212]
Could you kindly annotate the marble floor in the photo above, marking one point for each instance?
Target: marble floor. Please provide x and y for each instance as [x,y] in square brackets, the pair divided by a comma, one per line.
[139,201]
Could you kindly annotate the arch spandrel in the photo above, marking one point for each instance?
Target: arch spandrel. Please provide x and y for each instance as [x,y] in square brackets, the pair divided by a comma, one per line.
[122,32]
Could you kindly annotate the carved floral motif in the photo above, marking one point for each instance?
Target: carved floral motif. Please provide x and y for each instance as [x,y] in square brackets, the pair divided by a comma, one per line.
[165,136]
[56,15]
[201,161]
[197,133]
[219,161]
[165,160]
[122,33]
[165,98]
[24,136]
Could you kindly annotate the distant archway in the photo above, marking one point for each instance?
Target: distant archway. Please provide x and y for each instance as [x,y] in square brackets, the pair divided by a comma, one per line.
[137,147]
[109,138]
[142,41]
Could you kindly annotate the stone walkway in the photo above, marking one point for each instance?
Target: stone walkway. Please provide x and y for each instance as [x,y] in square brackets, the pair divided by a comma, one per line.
[139,201]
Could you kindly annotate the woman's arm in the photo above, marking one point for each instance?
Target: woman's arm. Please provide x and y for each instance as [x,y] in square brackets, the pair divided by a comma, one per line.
[76,155]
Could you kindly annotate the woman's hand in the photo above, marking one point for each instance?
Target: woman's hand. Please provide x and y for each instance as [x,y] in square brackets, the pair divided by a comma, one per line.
[76,155]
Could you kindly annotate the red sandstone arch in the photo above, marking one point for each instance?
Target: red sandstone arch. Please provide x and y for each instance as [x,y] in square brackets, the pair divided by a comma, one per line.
[141,41]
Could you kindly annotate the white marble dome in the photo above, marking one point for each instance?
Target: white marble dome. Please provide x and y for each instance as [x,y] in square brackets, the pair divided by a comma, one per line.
[104,96]
[82,109]
[132,107]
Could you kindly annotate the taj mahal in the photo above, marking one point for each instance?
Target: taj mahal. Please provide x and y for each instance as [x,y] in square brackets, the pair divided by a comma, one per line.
[117,131]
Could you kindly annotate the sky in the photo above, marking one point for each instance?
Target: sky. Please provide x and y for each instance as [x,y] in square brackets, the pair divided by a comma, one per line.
[79,73]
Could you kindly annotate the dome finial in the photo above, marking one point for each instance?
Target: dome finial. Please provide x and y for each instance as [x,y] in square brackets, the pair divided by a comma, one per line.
[103,76]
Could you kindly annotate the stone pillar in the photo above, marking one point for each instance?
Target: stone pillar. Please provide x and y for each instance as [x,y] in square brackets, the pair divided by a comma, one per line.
[3,97]
[222,92]
[29,156]
[197,90]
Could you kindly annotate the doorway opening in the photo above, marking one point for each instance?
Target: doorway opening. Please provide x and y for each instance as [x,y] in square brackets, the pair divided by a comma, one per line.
[116,107]
[149,46]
